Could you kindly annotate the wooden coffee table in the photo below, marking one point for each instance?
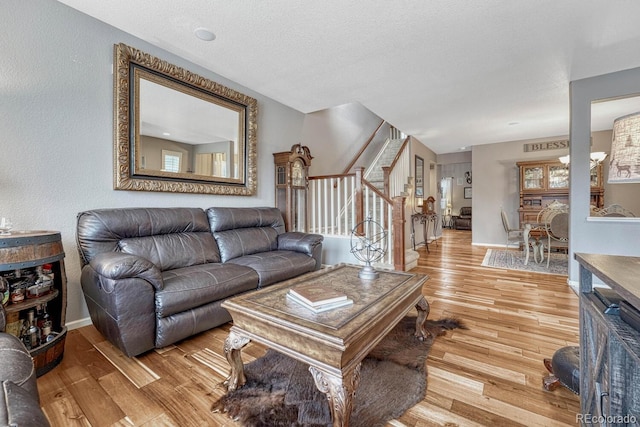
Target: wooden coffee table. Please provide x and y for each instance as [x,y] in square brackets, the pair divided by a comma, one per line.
[333,343]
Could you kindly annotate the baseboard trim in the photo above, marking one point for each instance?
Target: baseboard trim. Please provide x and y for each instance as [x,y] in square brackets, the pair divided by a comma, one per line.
[79,323]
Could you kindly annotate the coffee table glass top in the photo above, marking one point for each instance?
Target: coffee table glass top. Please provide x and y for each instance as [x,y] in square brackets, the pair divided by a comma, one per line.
[343,278]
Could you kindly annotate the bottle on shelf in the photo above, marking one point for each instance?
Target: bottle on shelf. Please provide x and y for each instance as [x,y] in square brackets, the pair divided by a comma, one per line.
[16,286]
[31,338]
[45,324]
[42,283]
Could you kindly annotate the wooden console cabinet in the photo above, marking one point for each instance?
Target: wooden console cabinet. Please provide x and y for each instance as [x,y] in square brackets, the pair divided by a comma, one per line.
[609,347]
[25,251]
[543,181]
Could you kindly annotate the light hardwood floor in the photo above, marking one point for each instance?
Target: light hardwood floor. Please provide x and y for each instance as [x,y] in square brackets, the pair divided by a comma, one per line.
[488,375]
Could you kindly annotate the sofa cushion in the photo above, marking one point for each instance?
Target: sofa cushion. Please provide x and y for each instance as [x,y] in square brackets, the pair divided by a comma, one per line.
[182,325]
[245,241]
[169,251]
[275,266]
[189,287]
[245,231]
[221,219]
[101,230]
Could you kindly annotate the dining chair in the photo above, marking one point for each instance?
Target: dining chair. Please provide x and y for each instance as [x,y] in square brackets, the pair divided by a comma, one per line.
[555,218]
[514,235]
[617,210]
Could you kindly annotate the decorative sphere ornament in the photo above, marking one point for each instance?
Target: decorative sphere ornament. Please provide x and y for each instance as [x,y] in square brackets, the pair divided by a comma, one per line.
[368,244]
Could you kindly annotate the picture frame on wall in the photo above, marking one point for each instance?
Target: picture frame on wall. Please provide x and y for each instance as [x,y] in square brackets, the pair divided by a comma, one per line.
[467,192]
[419,170]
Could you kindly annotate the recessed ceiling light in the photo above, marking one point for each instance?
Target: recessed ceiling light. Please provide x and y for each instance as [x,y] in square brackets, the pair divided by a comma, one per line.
[166,133]
[204,34]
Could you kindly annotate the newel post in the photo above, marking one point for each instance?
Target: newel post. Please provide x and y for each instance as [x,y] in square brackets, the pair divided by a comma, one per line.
[386,172]
[398,222]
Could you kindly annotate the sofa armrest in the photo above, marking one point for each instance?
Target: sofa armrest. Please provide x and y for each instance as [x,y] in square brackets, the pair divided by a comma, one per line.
[120,292]
[118,266]
[306,243]
[19,399]
[299,242]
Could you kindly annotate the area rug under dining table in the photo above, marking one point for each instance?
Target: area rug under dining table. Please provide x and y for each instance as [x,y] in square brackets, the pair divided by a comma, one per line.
[514,260]
[280,390]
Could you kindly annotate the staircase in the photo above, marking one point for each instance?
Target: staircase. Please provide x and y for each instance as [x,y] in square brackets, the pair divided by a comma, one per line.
[374,173]
[338,203]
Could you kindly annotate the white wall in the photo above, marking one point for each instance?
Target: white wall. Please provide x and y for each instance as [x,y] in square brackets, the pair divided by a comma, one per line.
[56,126]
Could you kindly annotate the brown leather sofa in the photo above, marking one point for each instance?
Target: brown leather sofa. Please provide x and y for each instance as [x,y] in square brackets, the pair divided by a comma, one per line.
[463,220]
[19,400]
[154,276]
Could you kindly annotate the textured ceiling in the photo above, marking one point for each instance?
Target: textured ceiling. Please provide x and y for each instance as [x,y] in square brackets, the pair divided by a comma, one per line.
[451,73]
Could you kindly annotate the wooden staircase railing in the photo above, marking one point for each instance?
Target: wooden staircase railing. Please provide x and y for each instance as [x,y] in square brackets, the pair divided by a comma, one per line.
[338,203]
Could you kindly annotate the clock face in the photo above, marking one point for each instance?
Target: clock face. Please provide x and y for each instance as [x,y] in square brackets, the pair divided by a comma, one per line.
[297,173]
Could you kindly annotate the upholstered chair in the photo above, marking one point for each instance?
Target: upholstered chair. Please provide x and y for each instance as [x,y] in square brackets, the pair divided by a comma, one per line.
[514,235]
[463,220]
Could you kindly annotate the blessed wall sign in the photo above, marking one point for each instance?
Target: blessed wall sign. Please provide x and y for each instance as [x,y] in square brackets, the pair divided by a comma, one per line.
[548,145]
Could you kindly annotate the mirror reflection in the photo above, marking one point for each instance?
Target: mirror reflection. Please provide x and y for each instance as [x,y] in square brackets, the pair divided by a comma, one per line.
[180,132]
[620,194]
[195,136]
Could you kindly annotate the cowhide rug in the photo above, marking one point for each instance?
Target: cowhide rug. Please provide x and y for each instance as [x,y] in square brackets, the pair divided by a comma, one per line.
[280,391]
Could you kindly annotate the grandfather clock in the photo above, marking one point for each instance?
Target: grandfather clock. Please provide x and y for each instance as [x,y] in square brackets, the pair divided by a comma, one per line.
[292,172]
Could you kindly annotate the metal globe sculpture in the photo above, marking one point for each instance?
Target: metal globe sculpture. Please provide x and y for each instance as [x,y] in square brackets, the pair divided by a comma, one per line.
[368,245]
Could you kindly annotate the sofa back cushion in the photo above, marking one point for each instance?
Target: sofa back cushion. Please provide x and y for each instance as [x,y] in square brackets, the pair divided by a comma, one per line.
[245,231]
[168,237]
[465,211]
[176,250]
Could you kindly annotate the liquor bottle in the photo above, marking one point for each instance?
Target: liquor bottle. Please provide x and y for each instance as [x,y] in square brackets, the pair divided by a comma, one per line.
[45,324]
[41,309]
[24,336]
[32,337]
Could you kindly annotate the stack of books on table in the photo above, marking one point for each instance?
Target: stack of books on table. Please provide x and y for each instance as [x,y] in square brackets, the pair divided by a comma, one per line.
[317,298]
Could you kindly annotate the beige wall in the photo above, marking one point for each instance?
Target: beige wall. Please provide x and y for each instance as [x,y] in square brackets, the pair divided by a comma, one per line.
[496,185]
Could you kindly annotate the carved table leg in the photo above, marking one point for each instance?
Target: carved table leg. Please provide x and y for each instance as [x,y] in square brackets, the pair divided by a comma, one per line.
[340,392]
[423,311]
[232,348]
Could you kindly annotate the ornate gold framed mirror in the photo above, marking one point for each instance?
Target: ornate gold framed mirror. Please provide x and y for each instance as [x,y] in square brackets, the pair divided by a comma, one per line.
[176,131]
